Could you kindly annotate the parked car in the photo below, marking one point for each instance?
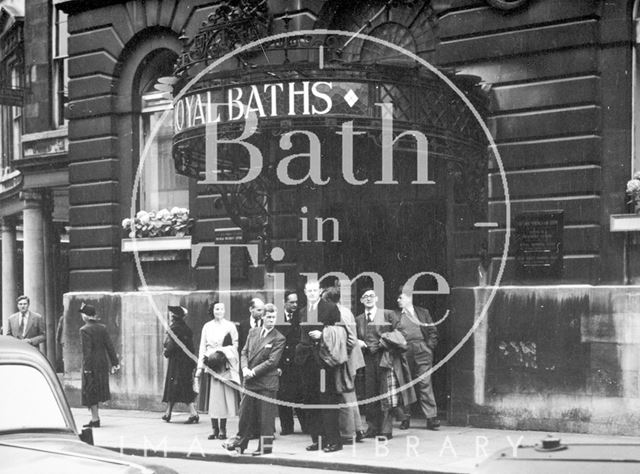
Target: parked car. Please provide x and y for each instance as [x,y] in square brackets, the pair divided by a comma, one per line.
[550,456]
[37,430]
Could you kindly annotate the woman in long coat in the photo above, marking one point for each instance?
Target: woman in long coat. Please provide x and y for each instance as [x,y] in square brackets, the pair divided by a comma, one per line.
[98,357]
[178,385]
[220,336]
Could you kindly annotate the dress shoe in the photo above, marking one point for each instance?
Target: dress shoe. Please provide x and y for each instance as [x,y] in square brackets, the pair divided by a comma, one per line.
[167,417]
[234,445]
[332,448]
[360,435]
[92,424]
[370,434]
[260,452]
[192,420]
[385,435]
[405,424]
[222,435]
[313,447]
[214,435]
[433,424]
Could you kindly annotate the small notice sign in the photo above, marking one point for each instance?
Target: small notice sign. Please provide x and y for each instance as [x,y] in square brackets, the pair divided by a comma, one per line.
[538,244]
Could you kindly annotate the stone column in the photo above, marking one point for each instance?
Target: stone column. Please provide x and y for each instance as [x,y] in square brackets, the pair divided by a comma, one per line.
[34,259]
[49,276]
[9,284]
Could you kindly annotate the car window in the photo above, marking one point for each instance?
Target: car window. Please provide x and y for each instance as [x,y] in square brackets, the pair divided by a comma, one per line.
[27,400]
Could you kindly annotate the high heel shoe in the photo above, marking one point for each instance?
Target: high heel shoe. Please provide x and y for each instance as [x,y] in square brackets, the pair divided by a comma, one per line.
[166,417]
[192,420]
[92,424]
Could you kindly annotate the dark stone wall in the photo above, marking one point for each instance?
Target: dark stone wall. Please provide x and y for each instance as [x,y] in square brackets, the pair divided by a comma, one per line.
[106,47]
[546,358]
[556,70]
[559,116]
[37,67]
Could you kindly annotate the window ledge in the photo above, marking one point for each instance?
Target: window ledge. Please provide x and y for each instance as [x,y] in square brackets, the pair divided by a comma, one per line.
[154,244]
[624,222]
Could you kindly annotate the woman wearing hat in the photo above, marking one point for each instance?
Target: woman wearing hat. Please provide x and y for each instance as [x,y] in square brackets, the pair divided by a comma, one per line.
[98,356]
[225,368]
[178,385]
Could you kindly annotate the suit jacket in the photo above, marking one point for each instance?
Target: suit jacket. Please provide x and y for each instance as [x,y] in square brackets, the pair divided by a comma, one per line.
[326,311]
[385,320]
[429,331]
[262,355]
[35,328]
[291,332]
[243,331]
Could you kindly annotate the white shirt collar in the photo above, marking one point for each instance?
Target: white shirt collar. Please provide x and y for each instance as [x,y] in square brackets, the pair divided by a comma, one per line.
[253,323]
[371,312]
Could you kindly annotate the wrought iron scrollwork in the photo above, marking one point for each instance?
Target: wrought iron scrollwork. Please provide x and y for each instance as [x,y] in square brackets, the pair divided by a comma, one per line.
[233,24]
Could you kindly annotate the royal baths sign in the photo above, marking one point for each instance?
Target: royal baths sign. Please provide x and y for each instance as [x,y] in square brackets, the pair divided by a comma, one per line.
[246,105]
[280,99]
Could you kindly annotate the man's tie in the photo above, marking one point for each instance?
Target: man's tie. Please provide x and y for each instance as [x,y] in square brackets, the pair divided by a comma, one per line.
[369,318]
[21,327]
[263,333]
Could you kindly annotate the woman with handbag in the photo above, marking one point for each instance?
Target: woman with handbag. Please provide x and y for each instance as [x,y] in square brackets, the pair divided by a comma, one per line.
[178,385]
[219,353]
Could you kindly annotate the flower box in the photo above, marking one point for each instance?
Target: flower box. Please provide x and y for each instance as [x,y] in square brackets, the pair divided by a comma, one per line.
[156,244]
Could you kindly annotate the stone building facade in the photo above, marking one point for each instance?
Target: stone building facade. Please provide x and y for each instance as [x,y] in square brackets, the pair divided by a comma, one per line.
[556,83]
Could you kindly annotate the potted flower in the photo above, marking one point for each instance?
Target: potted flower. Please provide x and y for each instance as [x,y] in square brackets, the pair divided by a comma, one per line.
[163,223]
[633,191]
[158,230]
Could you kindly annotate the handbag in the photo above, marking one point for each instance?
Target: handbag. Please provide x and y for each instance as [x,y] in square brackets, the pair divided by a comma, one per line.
[217,361]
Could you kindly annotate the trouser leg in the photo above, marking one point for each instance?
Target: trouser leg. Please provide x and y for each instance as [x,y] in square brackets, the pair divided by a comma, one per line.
[420,362]
[286,418]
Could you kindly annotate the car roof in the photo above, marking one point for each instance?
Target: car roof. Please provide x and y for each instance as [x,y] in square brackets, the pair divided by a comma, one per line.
[15,351]
[11,347]
[587,458]
[628,452]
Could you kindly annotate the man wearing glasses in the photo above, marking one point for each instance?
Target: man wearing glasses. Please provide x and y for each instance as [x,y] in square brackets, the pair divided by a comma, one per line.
[370,325]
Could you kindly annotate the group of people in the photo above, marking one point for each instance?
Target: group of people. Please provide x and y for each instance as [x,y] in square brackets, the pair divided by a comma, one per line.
[378,361]
[323,357]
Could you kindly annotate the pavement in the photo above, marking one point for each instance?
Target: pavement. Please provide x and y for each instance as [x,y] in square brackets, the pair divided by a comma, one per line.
[451,449]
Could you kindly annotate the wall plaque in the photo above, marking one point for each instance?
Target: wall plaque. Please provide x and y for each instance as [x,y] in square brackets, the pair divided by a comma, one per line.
[538,244]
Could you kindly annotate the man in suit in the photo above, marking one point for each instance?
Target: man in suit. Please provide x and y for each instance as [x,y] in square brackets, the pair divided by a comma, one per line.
[325,422]
[259,360]
[256,312]
[25,324]
[290,389]
[417,327]
[370,325]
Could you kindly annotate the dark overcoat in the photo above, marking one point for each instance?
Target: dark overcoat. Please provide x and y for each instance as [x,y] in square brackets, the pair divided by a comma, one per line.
[98,356]
[178,384]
